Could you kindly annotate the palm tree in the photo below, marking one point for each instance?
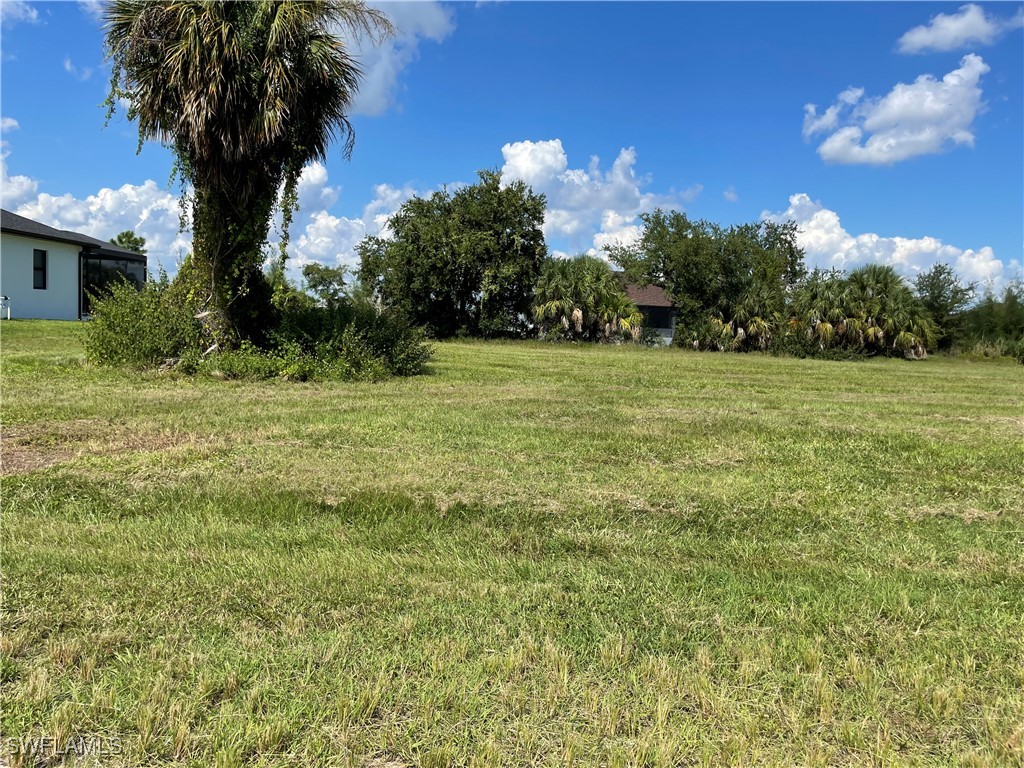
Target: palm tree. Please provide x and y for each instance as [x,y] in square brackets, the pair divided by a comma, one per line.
[582,298]
[245,93]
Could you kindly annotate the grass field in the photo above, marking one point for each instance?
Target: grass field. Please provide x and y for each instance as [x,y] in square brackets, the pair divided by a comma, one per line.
[534,555]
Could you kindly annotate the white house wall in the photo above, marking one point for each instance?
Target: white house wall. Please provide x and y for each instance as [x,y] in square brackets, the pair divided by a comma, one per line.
[59,300]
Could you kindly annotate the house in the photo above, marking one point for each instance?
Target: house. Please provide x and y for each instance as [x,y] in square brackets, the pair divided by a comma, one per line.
[49,273]
[654,304]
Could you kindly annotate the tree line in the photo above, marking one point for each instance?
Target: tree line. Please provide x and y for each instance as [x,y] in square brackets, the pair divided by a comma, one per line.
[474,263]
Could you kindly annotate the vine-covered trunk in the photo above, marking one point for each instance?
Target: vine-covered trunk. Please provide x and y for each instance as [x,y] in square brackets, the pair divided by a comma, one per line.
[225,285]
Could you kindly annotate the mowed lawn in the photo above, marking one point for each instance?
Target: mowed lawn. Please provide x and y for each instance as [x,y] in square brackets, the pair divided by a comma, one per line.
[534,555]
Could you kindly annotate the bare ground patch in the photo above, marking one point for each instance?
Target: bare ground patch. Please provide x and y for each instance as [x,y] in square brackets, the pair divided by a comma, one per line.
[30,447]
[18,459]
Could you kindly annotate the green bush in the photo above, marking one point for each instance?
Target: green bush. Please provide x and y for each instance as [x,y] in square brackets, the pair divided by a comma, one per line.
[140,329]
[997,348]
[347,339]
[355,330]
[796,342]
[246,362]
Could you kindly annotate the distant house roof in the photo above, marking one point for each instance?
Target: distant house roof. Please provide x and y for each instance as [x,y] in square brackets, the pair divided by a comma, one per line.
[19,225]
[647,296]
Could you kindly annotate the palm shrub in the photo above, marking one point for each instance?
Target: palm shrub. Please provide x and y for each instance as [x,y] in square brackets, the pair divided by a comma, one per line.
[581,299]
[870,311]
[756,319]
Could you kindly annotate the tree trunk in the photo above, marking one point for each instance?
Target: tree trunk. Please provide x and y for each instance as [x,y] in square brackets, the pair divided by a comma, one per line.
[226,288]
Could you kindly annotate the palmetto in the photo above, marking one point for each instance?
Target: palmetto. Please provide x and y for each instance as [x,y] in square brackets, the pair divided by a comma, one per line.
[871,308]
[582,298]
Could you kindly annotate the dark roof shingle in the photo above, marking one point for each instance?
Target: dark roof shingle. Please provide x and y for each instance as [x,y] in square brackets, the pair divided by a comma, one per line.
[647,296]
[19,225]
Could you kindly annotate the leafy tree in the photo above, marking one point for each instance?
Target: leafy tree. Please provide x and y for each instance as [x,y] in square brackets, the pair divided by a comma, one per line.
[245,94]
[463,263]
[130,242]
[583,299]
[327,284]
[998,319]
[711,272]
[945,297]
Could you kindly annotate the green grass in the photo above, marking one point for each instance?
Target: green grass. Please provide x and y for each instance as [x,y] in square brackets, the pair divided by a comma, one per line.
[543,555]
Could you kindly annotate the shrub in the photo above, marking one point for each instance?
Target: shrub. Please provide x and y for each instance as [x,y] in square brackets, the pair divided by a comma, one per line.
[388,336]
[994,349]
[348,339]
[797,342]
[246,362]
[139,329]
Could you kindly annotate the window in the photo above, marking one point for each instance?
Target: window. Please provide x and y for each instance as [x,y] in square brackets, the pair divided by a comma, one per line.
[39,269]
[100,274]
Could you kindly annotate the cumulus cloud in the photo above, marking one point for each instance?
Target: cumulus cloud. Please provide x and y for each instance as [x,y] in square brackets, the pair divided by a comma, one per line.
[8,124]
[148,209]
[730,194]
[535,162]
[383,62]
[313,190]
[591,208]
[15,11]
[926,117]
[827,244]
[969,26]
[14,190]
[328,239]
[332,240]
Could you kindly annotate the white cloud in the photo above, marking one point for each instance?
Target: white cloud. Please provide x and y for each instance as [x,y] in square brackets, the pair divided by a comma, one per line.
[925,117]
[92,8]
[690,194]
[590,208]
[617,229]
[148,209]
[313,190]
[83,73]
[14,11]
[827,244]
[382,63]
[969,26]
[14,190]
[730,194]
[332,239]
[535,162]
[829,120]
[8,124]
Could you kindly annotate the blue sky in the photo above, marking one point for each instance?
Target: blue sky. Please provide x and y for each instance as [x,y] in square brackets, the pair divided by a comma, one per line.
[912,153]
